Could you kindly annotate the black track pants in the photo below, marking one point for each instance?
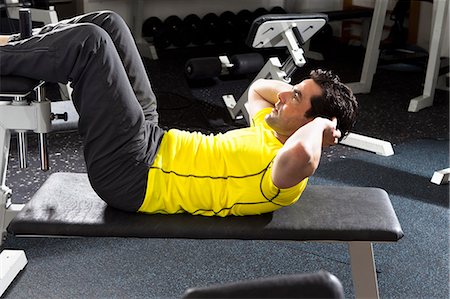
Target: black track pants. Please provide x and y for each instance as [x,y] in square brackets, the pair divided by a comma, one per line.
[111,92]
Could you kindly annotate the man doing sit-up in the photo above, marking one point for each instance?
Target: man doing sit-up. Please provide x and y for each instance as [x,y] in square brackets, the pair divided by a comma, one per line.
[134,165]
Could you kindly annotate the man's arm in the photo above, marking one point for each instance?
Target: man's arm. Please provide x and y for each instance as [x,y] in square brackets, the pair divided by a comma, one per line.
[263,93]
[300,155]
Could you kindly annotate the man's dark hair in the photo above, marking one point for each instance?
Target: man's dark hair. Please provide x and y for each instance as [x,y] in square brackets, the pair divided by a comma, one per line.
[337,100]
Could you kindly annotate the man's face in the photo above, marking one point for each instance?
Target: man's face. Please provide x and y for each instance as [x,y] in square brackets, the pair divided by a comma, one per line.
[289,112]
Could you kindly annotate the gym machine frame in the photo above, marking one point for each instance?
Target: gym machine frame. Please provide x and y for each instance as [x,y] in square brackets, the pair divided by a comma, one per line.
[292,31]
[39,15]
[440,14]
[20,115]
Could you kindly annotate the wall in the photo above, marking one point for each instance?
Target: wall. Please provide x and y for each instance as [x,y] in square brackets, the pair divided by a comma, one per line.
[317,5]
[181,8]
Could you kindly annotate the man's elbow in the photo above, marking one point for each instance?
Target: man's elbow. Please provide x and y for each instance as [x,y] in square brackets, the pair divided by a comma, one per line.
[301,165]
[307,160]
[308,169]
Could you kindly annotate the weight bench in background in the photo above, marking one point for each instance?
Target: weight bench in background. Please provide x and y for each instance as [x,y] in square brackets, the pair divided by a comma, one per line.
[66,205]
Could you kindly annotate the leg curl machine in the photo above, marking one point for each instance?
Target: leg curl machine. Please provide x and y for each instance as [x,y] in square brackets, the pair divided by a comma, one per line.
[19,114]
[66,204]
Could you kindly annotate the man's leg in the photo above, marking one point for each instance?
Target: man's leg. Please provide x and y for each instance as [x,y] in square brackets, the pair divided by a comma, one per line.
[119,144]
[125,44]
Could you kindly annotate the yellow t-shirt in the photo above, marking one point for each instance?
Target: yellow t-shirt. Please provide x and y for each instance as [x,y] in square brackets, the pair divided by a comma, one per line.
[217,175]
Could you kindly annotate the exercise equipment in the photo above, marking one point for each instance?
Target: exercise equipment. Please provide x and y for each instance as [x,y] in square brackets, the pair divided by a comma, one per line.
[321,284]
[155,32]
[209,67]
[194,29]
[269,31]
[277,10]
[441,177]
[228,21]
[213,28]
[18,114]
[25,23]
[259,12]
[11,263]
[176,31]
[292,31]
[151,28]
[440,9]
[244,21]
[44,14]
[35,12]
[66,205]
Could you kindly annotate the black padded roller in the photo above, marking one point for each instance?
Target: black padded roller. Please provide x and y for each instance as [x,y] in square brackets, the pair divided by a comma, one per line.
[246,63]
[203,68]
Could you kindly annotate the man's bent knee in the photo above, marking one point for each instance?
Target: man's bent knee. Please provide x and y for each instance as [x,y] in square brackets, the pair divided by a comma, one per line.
[111,20]
[92,34]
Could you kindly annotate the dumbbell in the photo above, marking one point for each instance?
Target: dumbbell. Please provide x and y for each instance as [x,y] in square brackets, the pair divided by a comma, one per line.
[277,10]
[151,27]
[194,29]
[230,26]
[210,67]
[259,12]
[244,21]
[154,31]
[213,28]
[176,31]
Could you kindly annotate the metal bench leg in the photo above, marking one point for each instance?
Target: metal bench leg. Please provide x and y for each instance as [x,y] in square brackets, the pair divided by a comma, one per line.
[441,177]
[437,37]
[363,270]
[372,50]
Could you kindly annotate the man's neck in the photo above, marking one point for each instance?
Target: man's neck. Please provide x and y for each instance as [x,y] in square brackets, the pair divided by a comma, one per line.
[281,138]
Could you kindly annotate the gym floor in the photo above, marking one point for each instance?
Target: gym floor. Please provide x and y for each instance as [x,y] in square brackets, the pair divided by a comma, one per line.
[415,267]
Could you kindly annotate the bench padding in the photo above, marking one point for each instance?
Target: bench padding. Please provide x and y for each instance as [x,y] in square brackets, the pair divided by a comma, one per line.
[16,84]
[66,205]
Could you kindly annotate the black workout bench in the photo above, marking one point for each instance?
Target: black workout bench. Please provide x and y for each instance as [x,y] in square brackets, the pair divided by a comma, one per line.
[66,205]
